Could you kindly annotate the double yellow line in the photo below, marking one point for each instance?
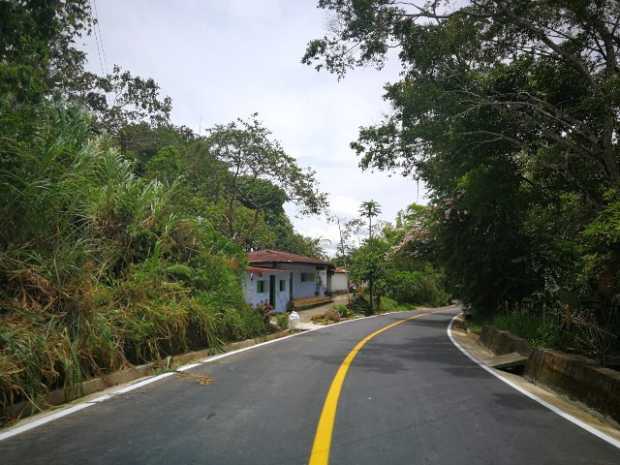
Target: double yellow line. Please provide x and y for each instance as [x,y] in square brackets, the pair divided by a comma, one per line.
[324,431]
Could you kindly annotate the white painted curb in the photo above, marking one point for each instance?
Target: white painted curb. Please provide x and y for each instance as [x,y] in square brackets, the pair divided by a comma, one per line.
[590,429]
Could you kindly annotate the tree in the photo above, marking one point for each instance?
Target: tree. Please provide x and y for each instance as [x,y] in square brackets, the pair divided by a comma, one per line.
[253,159]
[548,69]
[368,265]
[39,59]
[370,260]
[508,111]
[37,47]
[248,207]
[552,68]
[120,99]
[369,209]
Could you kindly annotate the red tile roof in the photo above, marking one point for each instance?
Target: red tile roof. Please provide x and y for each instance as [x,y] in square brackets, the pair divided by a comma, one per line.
[260,270]
[278,256]
[340,269]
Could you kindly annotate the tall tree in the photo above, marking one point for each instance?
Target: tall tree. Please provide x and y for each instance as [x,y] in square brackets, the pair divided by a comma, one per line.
[509,111]
[253,158]
[368,264]
[40,59]
[369,210]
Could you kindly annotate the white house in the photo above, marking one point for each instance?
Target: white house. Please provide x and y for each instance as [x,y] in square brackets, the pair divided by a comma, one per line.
[275,277]
[340,281]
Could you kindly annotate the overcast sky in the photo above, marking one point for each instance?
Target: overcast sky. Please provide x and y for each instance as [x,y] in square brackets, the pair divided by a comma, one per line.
[223,59]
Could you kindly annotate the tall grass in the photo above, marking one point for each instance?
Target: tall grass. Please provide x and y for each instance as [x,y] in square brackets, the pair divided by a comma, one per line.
[99,267]
[537,331]
[581,334]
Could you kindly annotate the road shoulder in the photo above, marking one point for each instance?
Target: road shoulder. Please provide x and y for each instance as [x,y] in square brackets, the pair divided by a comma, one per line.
[570,409]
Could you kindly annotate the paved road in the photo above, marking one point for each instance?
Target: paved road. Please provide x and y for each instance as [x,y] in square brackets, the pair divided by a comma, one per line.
[410,397]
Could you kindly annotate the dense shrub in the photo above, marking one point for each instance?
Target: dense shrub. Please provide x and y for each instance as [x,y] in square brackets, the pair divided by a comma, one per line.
[581,335]
[282,320]
[415,287]
[343,310]
[100,267]
[538,332]
[360,304]
[388,304]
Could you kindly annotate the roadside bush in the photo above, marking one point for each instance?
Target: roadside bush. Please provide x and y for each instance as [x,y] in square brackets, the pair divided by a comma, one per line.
[282,320]
[99,267]
[388,304]
[537,331]
[359,304]
[575,332]
[343,310]
[416,287]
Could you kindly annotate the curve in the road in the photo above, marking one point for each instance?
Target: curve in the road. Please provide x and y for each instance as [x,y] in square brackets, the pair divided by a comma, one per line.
[590,429]
[409,397]
[323,437]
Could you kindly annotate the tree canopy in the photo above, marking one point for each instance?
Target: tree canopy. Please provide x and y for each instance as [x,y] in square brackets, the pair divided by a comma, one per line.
[508,111]
[124,236]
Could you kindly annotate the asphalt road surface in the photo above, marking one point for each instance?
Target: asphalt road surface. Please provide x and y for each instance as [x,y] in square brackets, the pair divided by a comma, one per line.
[409,397]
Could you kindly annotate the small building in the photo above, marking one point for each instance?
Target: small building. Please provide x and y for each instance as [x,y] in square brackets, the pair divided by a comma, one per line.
[276,277]
[340,281]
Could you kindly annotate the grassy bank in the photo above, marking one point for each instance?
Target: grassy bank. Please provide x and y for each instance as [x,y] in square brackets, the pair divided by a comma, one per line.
[555,331]
[100,267]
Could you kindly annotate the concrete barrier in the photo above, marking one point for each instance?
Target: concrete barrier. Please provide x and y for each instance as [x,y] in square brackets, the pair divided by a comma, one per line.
[578,377]
[503,342]
[575,376]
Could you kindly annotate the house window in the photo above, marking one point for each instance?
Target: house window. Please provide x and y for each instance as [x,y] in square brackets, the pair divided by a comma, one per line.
[306,277]
[260,287]
[282,285]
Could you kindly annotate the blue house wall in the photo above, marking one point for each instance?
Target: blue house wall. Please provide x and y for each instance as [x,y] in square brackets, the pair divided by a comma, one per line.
[256,298]
[284,272]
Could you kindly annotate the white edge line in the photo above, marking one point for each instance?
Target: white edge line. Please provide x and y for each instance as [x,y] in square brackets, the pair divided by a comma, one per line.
[66,411]
[41,421]
[590,429]
[139,384]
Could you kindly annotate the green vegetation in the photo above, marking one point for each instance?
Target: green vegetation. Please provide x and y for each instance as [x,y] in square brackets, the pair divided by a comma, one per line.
[282,320]
[423,287]
[508,111]
[360,305]
[101,267]
[390,305]
[538,332]
[393,263]
[343,310]
[548,331]
[124,236]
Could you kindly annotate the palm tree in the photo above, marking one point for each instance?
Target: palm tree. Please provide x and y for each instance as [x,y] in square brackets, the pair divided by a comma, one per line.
[370,209]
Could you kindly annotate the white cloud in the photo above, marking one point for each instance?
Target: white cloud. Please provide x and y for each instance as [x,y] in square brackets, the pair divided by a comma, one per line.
[344,206]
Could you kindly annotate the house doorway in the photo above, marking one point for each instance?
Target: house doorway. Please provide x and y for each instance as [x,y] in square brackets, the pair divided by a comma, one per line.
[290,286]
[272,291]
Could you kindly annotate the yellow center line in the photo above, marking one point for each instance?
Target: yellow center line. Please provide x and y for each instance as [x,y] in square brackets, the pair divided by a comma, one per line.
[323,437]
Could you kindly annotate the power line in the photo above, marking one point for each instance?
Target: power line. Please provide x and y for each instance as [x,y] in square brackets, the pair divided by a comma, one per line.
[99,39]
[100,34]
